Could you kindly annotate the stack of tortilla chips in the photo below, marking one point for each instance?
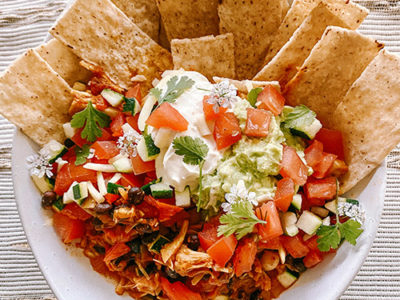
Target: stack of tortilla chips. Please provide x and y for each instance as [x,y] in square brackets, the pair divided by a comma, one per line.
[310,48]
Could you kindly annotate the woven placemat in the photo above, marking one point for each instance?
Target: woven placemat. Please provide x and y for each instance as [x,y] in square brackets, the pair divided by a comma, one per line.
[24,24]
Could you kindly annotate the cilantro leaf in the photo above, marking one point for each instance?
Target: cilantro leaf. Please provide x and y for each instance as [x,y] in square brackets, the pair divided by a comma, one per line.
[350,230]
[328,237]
[175,89]
[130,105]
[240,221]
[91,119]
[194,151]
[253,95]
[81,154]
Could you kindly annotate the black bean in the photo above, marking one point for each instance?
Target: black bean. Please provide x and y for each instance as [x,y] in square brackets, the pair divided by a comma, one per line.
[99,249]
[103,208]
[149,237]
[295,264]
[48,199]
[135,196]
[255,295]
[143,229]
[150,268]
[135,245]
[193,242]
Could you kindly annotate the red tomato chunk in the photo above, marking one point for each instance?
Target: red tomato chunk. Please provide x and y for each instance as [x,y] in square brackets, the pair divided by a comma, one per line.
[227,130]
[178,291]
[292,166]
[321,189]
[245,256]
[105,149]
[68,229]
[273,227]
[284,194]
[270,99]
[321,170]
[257,124]
[167,117]
[332,141]
[314,153]
[222,250]
[294,246]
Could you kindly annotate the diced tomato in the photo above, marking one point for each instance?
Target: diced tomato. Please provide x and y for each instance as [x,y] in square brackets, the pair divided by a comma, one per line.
[312,243]
[332,141]
[273,227]
[320,189]
[321,170]
[132,180]
[292,166]
[178,291]
[78,140]
[257,124]
[101,103]
[135,92]
[226,130]
[270,99]
[166,211]
[152,175]
[209,235]
[74,211]
[338,168]
[140,167]
[116,125]
[209,112]
[79,174]
[244,257]
[222,250]
[165,116]
[116,251]
[68,229]
[294,246]
[312,259]
[274,244]
[105,149]
[111,198]
[63,180]
[313,153]
[105,135]
[284,194]
[133,121]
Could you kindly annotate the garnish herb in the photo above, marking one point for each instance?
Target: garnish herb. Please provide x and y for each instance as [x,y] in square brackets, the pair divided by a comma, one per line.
[301,115]
[194,152]
[130,105]
[81,154]
[240,220]
[91,119]
[253,95]
[175,88]
[330,237]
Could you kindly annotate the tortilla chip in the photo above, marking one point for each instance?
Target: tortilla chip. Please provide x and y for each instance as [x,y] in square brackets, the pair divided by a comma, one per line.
[373,99]
[286,63]
[353,14]
[208,55]
[336,61]
[144,13]
[253,24]
[162,37]
[63,61]
[35,98]
[245,86]
[110,40]
[189,19]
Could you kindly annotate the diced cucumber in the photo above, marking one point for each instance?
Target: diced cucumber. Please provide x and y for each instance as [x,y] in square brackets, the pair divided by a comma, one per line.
[146,187]
[147,108]
[115,158]
[182,199]
[291,230]
[42,183]
[100,167]
[320,211]
[296,202]
[58,205]
[158,243]
[69,143]
[164,137]
[123,165]
[112,97]
[115,178]
[287,278]
[308,222]
[96,195]
[302,122]
[112,188]
[60,163]
[289,220]
[101,184]
[54,149]
[136,107]
[161,191]
[326,221]
[331,206]
[77,192]
[146,148]
[307,132]
[69,131]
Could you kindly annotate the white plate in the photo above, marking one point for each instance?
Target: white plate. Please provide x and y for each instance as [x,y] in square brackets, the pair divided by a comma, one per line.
[70,275]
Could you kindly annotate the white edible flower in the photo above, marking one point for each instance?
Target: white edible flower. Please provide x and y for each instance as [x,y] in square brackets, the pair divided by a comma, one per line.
[38,164]
[223,94]
[91,153]
[353,211]
[127,143]
[238,193]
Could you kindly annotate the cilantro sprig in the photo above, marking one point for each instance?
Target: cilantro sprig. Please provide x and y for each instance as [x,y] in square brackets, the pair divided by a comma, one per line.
[194,152]
[91,119]
[330,237]
[239,221]
[175,89]
[81,154]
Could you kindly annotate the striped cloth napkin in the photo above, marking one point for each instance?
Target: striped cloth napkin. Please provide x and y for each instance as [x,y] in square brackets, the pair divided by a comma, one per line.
[24,24]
